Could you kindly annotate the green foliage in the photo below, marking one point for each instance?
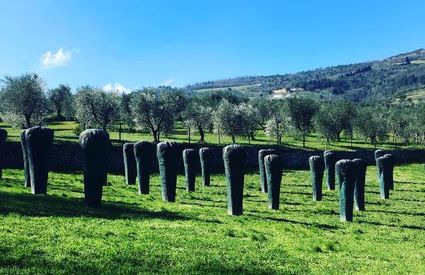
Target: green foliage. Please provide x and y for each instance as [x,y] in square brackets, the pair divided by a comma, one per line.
[301,111]
[96,108]
[371,124]
[235,120]
[333,118]
[156,112]
[23,101]
[63,101]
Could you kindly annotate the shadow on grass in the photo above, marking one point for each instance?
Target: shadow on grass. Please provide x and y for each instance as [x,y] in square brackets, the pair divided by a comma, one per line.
[317,225]
[414,227]
[397,212]
[46,205]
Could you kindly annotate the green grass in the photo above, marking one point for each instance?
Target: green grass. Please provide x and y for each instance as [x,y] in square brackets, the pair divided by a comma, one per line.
[135,233]
[64,132]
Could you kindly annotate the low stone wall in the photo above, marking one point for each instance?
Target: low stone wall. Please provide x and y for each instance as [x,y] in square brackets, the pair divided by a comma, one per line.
[66,157]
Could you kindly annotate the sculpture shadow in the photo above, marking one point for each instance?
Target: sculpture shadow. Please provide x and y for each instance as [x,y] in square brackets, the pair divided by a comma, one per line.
[46,205]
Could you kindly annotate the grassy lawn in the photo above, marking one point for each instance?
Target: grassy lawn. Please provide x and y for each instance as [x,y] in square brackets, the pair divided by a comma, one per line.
[135,233]
[64,132]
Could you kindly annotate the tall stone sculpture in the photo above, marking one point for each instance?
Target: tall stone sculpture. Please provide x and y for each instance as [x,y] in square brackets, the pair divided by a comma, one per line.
[317,167]
[330,160]
[190,161]
[38,142]
[234,157]
[273,169]
[359,184]
[205,157]
[129,163]
[386,167]
[27,179]
[167,154]
[144,152]
[95,145]
[3,136]
[345,177]
[263,178]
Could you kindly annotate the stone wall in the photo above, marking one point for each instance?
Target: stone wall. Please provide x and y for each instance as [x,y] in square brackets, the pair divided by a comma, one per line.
[66,157]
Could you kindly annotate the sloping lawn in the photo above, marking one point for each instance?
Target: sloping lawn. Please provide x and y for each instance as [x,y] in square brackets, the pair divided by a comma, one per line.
[135,233]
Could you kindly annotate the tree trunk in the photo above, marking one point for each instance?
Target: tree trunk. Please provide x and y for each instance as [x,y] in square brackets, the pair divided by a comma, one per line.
[304,140]
[188,134]
[28,121]
[202,135]
[120,131]
[155,135]
[233,139]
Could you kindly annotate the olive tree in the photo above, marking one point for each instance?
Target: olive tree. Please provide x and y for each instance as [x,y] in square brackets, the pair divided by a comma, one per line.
[301,111]
[371,124]
[333,118]
[96,108]
[198,116]
[235,120]
[23,99]
[61,98]
[157,110]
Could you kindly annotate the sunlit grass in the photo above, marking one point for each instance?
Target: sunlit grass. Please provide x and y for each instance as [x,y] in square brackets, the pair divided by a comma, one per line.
[64,132]
[135,233]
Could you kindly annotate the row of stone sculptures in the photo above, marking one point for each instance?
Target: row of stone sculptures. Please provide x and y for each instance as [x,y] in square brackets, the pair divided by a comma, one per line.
[139,159]
[350,176]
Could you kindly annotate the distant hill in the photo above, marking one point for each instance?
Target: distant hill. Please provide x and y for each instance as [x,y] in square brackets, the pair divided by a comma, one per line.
[381,79]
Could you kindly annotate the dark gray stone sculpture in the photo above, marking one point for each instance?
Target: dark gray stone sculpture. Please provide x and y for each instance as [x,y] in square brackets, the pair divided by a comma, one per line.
[27,179]
[190,161]
[129,163]
[317,167]
[3,136]
[345,177]
[273,169]
[330,159]
[205,157]
[234,157]
[167,153]
[261,154]
[38,142]
[95,145]
[359,184]
[144,152]
[386,167]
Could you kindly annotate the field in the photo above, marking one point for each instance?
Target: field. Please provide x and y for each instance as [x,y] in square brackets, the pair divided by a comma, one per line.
[132,233]
[64,132]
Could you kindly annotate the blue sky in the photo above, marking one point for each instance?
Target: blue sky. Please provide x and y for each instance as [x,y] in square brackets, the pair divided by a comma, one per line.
[149,43]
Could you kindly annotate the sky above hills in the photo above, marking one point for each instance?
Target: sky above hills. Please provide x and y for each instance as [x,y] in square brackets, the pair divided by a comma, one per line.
[131,44]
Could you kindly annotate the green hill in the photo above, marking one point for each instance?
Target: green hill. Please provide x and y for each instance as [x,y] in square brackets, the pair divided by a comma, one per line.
[380,79]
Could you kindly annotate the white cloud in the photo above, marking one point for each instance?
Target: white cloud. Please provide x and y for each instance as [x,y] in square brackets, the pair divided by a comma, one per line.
[60,58]
[115,88]
[167,82]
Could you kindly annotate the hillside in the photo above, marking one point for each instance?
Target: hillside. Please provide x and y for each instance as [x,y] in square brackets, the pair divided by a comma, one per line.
[378,79]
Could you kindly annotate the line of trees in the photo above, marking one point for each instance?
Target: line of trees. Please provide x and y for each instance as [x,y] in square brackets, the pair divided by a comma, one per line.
[25,102]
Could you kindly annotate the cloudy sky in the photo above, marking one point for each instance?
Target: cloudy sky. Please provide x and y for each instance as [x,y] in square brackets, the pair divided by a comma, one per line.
[122,45]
